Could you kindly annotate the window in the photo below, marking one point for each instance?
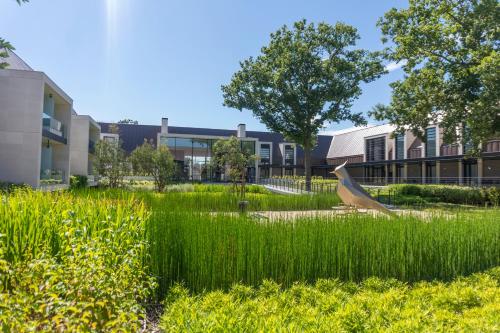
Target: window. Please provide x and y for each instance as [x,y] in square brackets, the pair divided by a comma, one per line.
[289,155]
[430,142]
[265,153]
[400,147]
[248,147]
[109,138]
[375,149]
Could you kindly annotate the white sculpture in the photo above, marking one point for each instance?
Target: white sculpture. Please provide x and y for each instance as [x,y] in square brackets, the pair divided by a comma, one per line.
[352,194]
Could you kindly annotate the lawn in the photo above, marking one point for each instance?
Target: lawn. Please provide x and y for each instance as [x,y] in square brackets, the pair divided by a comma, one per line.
[95,259]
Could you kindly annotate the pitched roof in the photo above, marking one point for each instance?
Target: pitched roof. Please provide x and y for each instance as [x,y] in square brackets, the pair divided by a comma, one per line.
[349,143]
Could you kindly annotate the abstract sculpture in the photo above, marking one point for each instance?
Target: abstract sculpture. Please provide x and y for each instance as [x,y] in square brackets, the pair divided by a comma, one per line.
[352,194]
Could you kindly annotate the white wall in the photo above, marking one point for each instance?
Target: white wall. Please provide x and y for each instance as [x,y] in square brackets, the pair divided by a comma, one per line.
[21,104]
[79,145]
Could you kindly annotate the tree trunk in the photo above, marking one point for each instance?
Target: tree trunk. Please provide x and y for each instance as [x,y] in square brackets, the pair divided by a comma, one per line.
[307,167]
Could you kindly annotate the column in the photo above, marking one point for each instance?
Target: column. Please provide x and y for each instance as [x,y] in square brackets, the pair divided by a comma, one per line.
[460,172]
[394,176]
[479,171]
[438,172]
[386,174]
[423,172]
[405,173]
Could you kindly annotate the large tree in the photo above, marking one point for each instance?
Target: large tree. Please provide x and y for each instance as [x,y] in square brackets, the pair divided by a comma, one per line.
[307,76]
[449,49]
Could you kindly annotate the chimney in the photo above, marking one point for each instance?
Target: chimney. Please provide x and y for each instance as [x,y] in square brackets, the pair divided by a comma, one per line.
[242,131]
[164,125]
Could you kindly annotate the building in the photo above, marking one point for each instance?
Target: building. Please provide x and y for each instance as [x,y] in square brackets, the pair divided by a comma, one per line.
[42,139]
[85,133]
[191,148]
[35,126]
[377,156]
[373,153]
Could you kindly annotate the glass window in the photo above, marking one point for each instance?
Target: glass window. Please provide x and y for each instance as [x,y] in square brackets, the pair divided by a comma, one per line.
[248,147]
[375,149]
[430,143]
[265,153]
[400,147]
[289,155]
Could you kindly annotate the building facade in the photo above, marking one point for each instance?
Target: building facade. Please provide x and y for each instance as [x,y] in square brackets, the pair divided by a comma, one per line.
[377,156]
[35,126]
[192,149]
[85,133]
[374,154]
[38,128]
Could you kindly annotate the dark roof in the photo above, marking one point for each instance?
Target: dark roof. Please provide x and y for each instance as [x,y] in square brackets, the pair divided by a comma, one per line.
[133,136]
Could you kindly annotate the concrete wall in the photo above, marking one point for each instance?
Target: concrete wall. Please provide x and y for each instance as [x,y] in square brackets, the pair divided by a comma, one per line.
[22,95]
[21,105]
[79,145]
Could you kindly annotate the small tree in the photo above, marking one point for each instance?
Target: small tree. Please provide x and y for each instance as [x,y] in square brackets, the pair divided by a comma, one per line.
[158,163]
[228,154]
[307,76]
[110,162]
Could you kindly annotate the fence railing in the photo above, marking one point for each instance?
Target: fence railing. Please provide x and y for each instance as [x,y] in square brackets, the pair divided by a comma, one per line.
[297,186]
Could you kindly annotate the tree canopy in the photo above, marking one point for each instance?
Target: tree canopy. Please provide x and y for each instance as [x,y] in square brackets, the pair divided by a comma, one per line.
[449,49]
[307,76]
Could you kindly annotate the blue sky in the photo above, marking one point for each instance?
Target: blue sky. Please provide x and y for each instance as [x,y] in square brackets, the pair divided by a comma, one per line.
[147,59]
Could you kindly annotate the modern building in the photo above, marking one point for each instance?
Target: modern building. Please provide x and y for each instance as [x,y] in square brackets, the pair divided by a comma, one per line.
[85,133]
[35,127]
[374,154]
[192,149]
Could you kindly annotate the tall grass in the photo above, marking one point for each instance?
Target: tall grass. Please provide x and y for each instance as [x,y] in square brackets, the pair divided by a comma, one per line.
[210,251]
[34,222]
[219,201]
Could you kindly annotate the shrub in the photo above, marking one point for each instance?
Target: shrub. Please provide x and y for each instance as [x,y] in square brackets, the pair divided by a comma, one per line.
[78,181]
[450,194]
[72,263]
[377,305]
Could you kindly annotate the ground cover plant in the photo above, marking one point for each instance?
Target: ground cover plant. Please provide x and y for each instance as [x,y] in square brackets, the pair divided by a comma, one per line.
[72,263]
[468,304]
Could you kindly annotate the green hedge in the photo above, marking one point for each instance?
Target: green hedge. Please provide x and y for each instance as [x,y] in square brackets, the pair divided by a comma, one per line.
[451,194]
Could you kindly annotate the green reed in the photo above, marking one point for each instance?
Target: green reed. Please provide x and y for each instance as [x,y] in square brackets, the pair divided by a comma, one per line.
[211,251]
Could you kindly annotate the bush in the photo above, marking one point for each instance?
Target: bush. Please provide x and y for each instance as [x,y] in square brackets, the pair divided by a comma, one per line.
[377,305]
[78,181]
[71,263]
[450,194]
[9,187]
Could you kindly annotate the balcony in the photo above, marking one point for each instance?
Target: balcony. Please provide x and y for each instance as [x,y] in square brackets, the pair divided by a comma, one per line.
[52,126]
[51,177]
